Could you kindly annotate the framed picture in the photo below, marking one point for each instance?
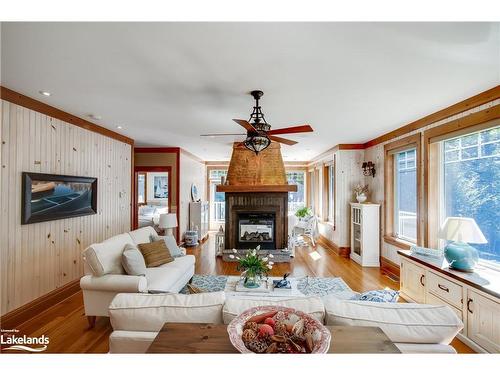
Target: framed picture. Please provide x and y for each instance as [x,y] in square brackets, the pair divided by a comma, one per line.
[48,197]
[160,184]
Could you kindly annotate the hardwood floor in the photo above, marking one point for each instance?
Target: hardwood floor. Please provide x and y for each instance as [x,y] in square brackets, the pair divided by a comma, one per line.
[66,325]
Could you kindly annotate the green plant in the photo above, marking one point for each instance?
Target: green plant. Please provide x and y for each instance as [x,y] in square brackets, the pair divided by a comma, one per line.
[252,263]
[303,212]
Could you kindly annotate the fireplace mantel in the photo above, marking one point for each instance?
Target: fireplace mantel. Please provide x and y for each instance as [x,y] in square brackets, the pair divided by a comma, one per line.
[256,188]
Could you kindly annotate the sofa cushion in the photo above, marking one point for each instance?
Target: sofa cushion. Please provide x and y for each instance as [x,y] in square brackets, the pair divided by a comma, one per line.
[425,348]
[133,261]
[106,257]
[401,322]
[234,306]
[165,277]
[142,235]
[155,253]
[148,312]
[171,244]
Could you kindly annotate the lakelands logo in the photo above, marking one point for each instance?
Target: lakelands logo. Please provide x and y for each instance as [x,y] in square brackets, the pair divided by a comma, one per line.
[22,342]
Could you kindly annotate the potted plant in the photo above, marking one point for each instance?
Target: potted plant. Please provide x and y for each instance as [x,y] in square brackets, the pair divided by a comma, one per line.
[361,193]
[303,213]
[254,266]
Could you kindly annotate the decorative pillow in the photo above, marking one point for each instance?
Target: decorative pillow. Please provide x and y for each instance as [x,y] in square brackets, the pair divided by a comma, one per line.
[171,244]
[133,262]
[155,253]
[193,289]
[385,295]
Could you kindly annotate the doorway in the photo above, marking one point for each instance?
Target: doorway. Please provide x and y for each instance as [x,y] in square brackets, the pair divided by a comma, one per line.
[153,186]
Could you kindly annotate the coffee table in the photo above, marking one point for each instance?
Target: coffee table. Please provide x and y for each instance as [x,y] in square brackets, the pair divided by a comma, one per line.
[181,338]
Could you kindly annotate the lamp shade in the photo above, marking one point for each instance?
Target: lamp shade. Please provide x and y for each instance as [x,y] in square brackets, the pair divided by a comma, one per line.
[461,229]
[168,221]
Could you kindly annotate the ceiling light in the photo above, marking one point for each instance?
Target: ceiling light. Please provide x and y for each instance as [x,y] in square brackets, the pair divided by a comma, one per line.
[257,142]
[44,93]
[119,127]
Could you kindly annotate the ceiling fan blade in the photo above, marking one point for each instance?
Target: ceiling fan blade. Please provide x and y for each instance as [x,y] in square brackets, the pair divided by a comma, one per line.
[282,140]
[220,134]
[292,129]
[245,124]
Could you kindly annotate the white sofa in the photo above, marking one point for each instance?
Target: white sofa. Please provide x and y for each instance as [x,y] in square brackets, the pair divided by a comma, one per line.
[105,277]
[136,318]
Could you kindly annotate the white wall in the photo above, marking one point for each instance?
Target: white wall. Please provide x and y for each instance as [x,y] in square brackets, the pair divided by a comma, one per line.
[37,258]
[192,170]
[348,174]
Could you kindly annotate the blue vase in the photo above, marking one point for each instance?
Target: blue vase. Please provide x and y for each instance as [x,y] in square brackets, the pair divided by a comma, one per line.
[461,256]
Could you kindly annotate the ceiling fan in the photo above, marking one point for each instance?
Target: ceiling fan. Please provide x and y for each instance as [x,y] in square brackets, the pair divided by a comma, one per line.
[259,134]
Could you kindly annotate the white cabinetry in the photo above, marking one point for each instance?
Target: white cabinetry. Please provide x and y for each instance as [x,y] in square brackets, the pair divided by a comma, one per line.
[423,281]
[198,218]
[365,242]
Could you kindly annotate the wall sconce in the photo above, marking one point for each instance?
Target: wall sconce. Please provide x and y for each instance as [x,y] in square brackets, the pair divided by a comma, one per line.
[368,168]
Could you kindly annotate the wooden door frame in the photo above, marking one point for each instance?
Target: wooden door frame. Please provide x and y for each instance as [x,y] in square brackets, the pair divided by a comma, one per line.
[146,169]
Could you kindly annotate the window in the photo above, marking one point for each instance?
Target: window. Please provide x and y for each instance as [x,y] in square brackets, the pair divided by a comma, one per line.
[217,199]
[405,195]
[329,192]
[470,175]
[402,191]
[296,199]
[313,194]
[141,188]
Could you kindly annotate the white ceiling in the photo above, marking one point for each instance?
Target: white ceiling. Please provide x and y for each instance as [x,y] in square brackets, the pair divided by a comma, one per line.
[167,83]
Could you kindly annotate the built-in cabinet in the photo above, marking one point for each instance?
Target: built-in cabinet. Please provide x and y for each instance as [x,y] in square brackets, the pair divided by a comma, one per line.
[479,311]
[198,218]
[365,243]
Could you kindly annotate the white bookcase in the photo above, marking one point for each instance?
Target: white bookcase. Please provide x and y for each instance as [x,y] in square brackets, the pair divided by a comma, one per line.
[365,232]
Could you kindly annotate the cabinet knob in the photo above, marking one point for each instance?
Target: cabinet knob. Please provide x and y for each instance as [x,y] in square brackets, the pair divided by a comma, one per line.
[469,301]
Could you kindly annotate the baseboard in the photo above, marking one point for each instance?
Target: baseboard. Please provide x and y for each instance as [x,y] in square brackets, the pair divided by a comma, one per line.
[339,250]
[16,317]
[390,268]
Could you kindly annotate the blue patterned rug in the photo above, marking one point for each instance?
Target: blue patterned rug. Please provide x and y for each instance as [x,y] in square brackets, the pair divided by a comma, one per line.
[309,286]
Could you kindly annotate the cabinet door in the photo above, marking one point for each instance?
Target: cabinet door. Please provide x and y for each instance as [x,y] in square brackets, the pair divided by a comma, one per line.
[412,281]
[483,321]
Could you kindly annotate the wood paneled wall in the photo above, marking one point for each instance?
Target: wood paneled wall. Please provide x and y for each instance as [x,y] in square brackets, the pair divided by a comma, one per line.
[39,258]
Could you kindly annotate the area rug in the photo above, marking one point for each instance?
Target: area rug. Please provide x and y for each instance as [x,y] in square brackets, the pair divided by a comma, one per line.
[308,285]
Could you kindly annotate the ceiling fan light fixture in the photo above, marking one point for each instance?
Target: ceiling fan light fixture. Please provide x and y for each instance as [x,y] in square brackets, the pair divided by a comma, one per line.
[257,143]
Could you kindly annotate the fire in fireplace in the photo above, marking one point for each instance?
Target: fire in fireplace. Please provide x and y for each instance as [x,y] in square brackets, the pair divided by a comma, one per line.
[256,229]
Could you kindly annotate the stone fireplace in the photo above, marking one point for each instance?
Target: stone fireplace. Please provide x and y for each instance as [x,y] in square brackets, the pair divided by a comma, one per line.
[256,195]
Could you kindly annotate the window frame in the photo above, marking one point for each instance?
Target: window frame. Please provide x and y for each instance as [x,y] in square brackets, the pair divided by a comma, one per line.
[390,150]
[433,171]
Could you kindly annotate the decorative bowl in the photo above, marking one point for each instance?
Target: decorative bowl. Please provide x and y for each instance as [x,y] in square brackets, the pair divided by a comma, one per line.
[319,334]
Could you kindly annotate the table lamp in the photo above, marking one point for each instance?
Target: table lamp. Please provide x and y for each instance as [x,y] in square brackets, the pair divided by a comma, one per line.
[168,222]
[461,231]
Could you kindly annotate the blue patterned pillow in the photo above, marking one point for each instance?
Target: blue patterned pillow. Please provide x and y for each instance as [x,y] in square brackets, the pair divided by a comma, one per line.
[386,295]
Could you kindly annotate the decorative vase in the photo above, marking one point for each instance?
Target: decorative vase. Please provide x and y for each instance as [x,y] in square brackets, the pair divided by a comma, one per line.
[361,197]
[252,280]
[461,256]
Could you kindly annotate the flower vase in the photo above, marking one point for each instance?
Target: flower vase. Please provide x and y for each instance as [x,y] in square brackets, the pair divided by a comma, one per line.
[251,280]
[361,197]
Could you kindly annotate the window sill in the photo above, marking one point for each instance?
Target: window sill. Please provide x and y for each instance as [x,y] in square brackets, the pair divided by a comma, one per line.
[398,242]
[328,223]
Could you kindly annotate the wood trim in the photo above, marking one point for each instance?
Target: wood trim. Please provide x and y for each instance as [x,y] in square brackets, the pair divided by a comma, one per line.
[340,146]
[157,149]
[30,310]
[255,188]
[389,267]
[178,189]
[35,105]
[342,251]
[389,227]
[472,102]
[469,121]
[396,242]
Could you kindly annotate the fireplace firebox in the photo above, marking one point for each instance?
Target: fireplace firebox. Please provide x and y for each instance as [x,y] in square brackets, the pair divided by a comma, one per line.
[256,229]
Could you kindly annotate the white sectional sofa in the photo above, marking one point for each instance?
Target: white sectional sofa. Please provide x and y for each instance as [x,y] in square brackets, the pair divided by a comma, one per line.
[105,277]
[137,318]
